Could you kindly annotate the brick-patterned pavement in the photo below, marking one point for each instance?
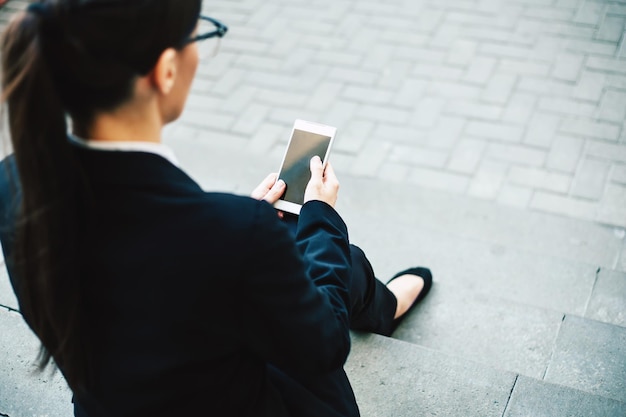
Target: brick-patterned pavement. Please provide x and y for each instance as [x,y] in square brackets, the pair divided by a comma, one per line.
[518,102]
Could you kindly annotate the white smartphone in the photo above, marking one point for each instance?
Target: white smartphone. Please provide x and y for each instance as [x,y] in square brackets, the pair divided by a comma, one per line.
[307,140]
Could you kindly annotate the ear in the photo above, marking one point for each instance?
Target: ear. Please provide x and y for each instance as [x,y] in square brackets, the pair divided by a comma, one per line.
[165,71]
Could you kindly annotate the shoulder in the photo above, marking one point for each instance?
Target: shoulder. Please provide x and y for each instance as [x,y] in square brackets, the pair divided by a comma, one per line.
[236,211]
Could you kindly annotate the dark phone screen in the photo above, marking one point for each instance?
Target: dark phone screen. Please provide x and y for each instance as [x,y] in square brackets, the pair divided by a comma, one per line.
[295,171]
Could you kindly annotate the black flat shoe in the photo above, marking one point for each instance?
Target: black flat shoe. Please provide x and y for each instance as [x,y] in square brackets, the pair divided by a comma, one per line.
[423,273]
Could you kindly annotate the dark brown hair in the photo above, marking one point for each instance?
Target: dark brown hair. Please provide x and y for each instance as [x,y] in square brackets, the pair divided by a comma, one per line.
[71,58]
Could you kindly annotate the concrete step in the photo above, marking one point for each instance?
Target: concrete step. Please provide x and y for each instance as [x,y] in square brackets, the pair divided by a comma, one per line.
[25,392]
[395,379]
[390,378]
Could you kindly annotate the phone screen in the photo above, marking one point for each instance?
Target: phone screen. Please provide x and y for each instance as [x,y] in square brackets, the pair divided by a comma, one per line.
[296,171]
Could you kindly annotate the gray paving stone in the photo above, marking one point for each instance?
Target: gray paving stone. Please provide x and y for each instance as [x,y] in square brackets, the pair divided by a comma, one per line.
[590,13]
[467,155]
[542,86]
[607,64]
[590,86]
[439,180]
[611,29]
[610,151]
[565,153]
[480,70]
[385,114]
[585,46]
[590,129]
[24,392]
[539,178]
[418,156]
[392,378]
[612,206]
[427,112]
[618,174]
[447,132]
[339,113]
[524,67]
[324,95]
[608,301]
[7,296]
[488,179]
[568,66]
[462,52]
[520,108]
[472,109]
[499,88]
[542,129]
[613,106]
[590,179]
[367,95]
[507,51]
[590,356]
[516,154]
[449,90]
[564,205]
[567,106]
[371,158]
[495,131]
[395,134]
[410,93]
[515,196]
[539,399]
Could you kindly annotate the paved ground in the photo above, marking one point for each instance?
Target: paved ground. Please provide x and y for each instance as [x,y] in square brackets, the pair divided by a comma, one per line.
[487,139]
[517,102]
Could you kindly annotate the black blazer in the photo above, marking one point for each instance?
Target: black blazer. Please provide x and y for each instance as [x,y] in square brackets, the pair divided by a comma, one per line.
[196,300]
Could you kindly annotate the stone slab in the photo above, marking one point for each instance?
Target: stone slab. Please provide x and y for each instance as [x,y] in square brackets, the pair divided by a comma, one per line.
[490,269]
[590,356]
[471,218]
[608,300]
[498,333]
[392,378]
[23,391]
[539,399]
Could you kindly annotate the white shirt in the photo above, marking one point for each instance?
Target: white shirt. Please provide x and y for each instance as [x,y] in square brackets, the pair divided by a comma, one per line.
[128,146]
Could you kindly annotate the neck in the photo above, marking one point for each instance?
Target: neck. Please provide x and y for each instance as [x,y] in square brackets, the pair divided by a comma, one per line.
[129,123]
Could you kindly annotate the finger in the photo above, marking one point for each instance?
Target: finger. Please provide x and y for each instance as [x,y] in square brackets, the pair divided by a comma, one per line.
[317,169]
[270,180]
[262,189]
[275,192]
[329,172]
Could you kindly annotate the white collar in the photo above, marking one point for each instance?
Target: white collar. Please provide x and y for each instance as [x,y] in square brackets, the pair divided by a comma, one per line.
[128,146]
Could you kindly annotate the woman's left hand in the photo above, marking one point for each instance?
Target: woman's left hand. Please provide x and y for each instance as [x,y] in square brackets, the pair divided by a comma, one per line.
[269,190]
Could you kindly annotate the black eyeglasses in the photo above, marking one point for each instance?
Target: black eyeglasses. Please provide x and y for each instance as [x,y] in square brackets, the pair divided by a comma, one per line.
[208,28]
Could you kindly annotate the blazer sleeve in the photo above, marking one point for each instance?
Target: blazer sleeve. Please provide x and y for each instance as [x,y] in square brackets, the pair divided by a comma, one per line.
[296,295]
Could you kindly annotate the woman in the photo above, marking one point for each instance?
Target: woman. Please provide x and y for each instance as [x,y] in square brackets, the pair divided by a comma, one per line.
[152,296]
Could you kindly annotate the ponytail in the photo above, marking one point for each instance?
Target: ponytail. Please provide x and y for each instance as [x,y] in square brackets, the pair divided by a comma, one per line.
[45,257]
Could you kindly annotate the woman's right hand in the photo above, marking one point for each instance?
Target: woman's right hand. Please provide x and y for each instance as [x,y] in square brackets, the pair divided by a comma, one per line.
[323,185]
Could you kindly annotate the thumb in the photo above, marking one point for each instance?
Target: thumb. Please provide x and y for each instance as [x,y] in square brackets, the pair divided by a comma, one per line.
[317,170]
